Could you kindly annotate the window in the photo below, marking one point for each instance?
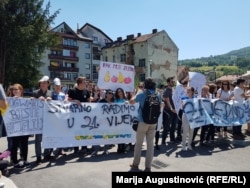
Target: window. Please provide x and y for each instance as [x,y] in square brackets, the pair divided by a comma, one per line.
[96,57]
[56,52]
[87,66]
[113,58]
[106,58]
[95,76]
[72,54]
[95,39]
[141,63]
[87,56]
[87,76]
[69,42]
[106,40]
[86,45]
[123,57]
[142,77]
[70,65]
[94,68]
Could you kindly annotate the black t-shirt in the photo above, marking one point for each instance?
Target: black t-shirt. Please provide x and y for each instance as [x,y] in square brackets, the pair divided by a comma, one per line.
[168,93]
[81,95]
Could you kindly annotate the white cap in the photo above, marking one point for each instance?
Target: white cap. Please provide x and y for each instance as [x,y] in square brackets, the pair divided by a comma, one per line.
[44,79]
[57,82]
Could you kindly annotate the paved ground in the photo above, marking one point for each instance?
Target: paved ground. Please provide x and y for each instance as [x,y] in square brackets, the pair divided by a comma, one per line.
[85,171]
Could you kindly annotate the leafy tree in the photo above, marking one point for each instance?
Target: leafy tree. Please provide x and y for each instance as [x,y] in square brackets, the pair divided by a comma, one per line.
[24,36]
[243,62]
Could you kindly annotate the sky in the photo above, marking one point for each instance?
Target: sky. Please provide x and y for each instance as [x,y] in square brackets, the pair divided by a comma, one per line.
[199,28]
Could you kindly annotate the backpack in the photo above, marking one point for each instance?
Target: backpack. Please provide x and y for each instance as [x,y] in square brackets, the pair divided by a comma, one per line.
[151,109]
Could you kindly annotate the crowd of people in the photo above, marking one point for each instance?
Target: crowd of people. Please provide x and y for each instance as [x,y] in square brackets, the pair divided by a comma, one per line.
[174,123]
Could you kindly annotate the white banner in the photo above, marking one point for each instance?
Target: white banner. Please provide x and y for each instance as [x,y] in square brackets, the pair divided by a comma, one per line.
[67,124]
[215,111]
[24,116]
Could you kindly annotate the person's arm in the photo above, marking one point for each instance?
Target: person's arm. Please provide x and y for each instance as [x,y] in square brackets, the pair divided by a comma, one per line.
[3,104]
[3,101]
[132,100]
[245,96]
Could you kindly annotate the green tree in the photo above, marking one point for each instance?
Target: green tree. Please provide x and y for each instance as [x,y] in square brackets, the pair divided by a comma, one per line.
[243,62]
[24,36]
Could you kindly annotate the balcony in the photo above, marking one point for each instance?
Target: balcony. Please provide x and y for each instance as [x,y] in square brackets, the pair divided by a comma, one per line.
[61,57]
[63,69]
[68,47]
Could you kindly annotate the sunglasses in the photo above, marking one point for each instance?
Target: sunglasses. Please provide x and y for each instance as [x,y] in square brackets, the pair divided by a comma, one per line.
[140,86]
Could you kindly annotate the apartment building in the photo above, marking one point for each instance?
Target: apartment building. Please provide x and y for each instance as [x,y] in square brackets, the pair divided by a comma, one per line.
[80,53]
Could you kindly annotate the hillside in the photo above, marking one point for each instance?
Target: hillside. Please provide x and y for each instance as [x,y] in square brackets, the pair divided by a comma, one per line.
[223,59]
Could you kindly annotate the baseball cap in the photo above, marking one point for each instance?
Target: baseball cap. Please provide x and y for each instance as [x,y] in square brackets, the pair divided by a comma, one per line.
[57,82]
[44,79]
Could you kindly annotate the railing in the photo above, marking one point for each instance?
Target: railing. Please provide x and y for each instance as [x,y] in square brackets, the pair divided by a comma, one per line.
[67,69]
[61,57]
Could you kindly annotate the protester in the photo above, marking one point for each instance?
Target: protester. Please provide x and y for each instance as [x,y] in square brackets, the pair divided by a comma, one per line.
[240,96]
[144,129]
[43,93]
[169,113]
[79,94]
[224,94]
[58,95]
[187,130]
[109,98]
[19,141]
[205,95]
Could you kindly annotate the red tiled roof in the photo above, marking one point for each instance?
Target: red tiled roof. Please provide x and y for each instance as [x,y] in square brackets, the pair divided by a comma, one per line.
[228,77]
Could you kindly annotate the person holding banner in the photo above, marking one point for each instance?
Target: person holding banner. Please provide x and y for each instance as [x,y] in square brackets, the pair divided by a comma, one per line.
[204,94]
[109,98]
[187,130]
[240,96]
[120,97]
[19,141]
[58,95]
[43,93]
[224,94]
[79,94]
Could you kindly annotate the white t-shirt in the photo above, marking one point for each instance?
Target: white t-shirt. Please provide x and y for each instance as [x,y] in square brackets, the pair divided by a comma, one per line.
[237,94]
[223,95]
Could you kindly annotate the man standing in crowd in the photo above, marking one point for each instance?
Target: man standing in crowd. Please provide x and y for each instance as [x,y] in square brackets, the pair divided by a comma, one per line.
[239,96]
[43,93]
[169,113]
[144,129]
[78,95]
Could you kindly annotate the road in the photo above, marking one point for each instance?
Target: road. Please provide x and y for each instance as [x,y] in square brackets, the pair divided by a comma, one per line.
[79,171]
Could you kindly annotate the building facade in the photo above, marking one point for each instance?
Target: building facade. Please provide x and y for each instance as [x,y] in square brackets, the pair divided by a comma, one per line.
[79,54]
[153,54]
